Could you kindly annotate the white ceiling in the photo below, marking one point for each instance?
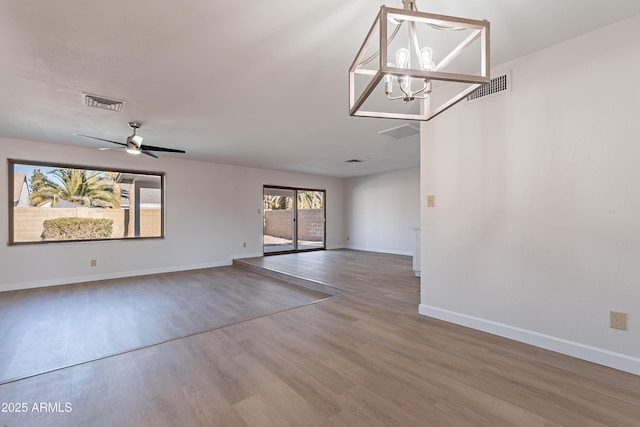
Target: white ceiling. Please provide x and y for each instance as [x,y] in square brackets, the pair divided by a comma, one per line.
[254,82]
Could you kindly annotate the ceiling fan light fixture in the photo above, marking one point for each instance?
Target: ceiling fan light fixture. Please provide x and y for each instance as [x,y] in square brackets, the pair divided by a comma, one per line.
[134,143]
[132,147]
[407,41]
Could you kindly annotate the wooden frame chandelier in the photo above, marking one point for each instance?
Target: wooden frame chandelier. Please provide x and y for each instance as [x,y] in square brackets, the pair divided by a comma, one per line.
[409,74]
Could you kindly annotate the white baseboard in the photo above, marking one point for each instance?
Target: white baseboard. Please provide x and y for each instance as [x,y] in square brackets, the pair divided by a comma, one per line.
[106,276]
[247,255]
[122,274]
[380,250]
[333,247]
[600,356]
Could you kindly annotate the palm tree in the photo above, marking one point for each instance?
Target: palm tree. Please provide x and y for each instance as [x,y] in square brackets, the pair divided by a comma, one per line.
[117,187]
[79,186]
[310,200]
[277,202]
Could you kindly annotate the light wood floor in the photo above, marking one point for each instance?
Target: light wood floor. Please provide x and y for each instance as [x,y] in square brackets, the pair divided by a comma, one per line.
[361,359]
[46,329]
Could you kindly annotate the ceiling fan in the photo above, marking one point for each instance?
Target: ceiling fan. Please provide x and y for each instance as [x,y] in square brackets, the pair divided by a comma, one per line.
[134,143]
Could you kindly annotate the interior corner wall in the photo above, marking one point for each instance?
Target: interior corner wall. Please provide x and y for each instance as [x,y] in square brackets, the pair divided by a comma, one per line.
[381,210]
[536,231]
[210,211]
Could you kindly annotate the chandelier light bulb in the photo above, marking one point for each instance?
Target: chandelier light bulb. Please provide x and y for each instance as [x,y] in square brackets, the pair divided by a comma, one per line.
[426,59]
[405,83]
[402,57]
[388,80]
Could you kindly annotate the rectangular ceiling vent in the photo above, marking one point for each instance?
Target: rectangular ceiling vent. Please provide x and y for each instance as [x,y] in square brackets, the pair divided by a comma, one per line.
[496,86]
[102,102]
[402,131]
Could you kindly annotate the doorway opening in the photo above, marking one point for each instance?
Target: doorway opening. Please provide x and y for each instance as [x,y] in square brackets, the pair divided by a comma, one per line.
[293,220]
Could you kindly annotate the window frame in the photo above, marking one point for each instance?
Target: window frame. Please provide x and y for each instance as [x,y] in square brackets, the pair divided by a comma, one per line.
[11,218]
[295,218]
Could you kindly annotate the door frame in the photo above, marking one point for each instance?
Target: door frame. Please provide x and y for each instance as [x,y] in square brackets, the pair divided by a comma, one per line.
[294,237]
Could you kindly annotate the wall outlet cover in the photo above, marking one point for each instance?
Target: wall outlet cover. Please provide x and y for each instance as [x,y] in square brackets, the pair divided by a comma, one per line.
[618,320]
[431,201]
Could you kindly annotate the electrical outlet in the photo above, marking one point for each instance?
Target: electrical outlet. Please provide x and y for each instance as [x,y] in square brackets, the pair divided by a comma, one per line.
[244,244]
[94,263]
[431,201]
[618,320]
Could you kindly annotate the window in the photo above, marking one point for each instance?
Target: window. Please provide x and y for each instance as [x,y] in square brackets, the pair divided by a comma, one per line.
[56,202]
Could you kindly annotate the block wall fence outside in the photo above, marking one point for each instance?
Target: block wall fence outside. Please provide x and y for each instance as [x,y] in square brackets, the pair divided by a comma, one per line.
[310,224]
[150,222]
[27,222]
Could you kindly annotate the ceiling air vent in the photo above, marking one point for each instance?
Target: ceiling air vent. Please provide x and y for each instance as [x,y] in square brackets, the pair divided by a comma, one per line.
[402,131]
[102,102]
[354,161]
[496,86]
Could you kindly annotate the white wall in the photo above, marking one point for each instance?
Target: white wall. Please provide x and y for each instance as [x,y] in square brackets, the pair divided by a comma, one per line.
[536,230]
[380,211]
[211,209]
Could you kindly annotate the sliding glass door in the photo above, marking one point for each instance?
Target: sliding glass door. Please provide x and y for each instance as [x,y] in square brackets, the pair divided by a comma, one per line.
[279,220]
[294,219]
[310,210]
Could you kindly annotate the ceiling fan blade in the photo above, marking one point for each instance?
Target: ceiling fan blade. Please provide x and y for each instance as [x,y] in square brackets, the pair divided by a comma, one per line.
[168,150]
[146,149]
[101,139]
